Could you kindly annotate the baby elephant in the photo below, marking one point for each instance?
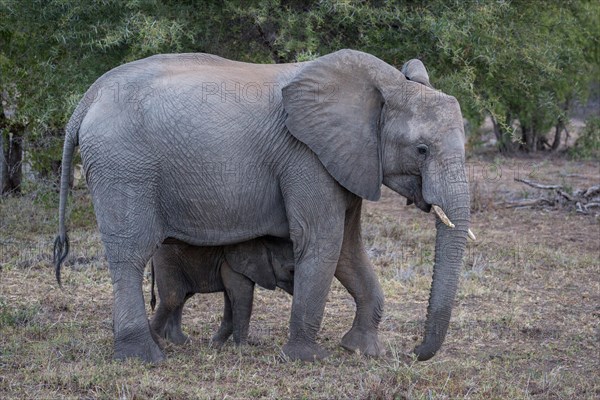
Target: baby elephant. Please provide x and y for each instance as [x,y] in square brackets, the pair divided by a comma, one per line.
[181,270]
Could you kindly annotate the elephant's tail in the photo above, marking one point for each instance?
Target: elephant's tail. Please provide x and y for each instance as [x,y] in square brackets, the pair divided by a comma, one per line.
[152,294]
[61,243]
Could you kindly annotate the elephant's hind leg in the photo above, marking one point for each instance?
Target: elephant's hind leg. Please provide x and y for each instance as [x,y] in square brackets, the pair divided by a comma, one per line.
[160,319]
[356,273]
[126,208]
[362,283]
[127,257]
[166,323]
[173,330]
[131,329]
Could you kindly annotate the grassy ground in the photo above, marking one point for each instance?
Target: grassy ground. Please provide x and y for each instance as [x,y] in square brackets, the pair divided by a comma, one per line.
[525,325]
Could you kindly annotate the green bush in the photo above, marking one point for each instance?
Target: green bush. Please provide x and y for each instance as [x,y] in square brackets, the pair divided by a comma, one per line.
[587,146]
[515,60]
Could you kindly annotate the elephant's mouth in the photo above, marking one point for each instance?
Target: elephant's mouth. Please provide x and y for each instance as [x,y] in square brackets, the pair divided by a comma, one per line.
[444,218]
[419,202]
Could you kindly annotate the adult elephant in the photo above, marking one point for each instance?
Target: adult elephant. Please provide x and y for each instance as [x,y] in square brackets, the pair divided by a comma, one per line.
[214,152]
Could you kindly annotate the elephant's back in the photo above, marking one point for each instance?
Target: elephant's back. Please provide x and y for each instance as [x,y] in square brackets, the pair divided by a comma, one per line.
[175,70]
[184,99]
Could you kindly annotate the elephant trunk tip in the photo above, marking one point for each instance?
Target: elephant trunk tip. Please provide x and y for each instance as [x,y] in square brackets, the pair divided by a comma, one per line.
[425,351]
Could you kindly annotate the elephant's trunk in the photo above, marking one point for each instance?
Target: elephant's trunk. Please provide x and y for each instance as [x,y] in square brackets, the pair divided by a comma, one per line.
[449,249]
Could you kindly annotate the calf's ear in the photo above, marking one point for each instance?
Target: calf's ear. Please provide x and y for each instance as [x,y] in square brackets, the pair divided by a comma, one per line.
[251,259]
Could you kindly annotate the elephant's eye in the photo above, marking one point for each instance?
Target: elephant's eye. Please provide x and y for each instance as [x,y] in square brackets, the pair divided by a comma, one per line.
[422,149]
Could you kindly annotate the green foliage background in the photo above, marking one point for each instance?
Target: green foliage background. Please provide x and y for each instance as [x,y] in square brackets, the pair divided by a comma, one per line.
[512,59]
[587,145]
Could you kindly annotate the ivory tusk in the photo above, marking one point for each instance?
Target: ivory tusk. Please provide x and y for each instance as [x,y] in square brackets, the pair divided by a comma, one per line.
[471,235]
[442,215]
[444,218]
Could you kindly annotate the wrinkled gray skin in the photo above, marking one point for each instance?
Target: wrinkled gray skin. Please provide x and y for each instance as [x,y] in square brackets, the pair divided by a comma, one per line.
[215,152]
[181,270]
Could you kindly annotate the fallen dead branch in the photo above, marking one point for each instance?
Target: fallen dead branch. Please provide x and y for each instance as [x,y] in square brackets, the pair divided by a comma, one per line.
[528,203]
[581,200]
[538,185]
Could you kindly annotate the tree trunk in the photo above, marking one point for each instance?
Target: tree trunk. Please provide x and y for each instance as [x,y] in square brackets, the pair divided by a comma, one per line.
[12,145]
[3,161]
[12,159]
[504,140]
[557,135]
[528,138]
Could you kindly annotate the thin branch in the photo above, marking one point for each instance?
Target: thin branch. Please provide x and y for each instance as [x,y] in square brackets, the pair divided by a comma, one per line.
[565,195]
[528,203]
[538,185]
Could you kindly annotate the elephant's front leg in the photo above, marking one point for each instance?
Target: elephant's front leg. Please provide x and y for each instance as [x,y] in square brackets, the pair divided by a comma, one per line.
[226,328]
[240,291]
[316,260]
[356,273]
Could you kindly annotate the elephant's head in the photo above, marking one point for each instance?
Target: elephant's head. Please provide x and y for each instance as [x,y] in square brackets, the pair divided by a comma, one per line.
[371,124]
[267,261]
[281,253]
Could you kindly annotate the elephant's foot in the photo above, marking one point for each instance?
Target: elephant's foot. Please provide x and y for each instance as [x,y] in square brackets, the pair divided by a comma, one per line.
[254,342]
[158,338]
[169,332]
[240,336]
[366,343]
[219,338]
[304,351]
[138,345]
[176,336]
[240,342]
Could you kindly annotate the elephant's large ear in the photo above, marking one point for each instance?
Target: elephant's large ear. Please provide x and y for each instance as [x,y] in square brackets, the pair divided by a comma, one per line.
[415,71]
[251,259]
[333,106]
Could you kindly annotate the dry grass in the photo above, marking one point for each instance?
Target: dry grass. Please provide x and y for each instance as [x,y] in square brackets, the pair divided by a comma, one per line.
[525,325]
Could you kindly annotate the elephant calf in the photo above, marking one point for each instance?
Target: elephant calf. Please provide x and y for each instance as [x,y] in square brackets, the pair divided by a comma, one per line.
[181,270]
